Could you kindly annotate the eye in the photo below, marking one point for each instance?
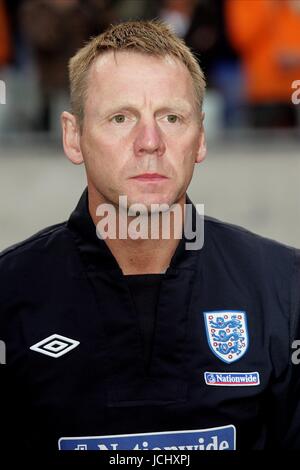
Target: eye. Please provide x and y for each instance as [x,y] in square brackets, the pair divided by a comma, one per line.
[118,118]
[172,118]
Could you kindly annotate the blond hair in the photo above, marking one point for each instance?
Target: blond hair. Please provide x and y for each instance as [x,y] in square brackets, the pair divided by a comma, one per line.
[151,37]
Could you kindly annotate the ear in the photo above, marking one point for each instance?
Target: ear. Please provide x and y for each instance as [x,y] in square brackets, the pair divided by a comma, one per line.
[71,138]
[201,154]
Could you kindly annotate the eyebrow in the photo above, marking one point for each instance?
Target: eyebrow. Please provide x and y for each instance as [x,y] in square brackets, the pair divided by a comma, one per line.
[181,106]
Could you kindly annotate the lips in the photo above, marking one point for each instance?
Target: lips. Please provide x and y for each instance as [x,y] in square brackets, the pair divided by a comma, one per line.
[150,177]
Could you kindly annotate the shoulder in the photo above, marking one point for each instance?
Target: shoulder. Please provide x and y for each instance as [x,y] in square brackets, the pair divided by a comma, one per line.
[259,267]
[251,252]
[240,238]
[47,242]
[34,267]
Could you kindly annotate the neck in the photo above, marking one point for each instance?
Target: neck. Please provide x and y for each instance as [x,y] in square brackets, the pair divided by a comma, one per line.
[142,256]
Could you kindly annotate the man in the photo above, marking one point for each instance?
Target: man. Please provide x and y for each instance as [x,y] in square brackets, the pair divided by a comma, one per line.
[5,42]
[59,29]
[138,342]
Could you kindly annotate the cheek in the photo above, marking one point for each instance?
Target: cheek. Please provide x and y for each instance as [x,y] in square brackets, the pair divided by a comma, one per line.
[185,163]
[191,152]
[99,152]
[186,157]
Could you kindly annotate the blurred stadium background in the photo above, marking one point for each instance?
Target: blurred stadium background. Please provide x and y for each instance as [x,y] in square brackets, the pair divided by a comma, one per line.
[250,53]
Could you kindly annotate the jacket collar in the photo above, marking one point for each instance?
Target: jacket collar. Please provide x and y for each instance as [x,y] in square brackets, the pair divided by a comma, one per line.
[97,256]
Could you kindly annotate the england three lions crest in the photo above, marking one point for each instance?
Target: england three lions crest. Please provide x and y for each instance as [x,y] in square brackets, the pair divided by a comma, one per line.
[227,334]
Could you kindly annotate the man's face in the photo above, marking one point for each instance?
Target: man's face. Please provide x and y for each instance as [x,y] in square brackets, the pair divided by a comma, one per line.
[141,132]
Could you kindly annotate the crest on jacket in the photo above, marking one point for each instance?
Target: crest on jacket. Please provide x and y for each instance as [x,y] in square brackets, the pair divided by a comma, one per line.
[227,334]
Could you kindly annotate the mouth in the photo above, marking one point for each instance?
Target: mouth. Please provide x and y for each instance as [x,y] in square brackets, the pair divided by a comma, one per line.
[150,177]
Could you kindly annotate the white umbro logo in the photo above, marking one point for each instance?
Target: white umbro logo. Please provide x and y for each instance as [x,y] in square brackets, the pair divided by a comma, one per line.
[55,345]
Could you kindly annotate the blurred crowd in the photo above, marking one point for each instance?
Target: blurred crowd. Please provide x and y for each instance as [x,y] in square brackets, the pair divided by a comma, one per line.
[248,49]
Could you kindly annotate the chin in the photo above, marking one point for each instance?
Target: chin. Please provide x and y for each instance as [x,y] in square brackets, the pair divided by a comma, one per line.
[149,199]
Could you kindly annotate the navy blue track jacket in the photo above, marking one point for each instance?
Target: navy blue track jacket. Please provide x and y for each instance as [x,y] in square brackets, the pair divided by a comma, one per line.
[220,376]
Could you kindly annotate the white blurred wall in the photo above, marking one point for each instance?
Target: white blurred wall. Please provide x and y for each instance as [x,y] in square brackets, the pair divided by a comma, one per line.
[252,183]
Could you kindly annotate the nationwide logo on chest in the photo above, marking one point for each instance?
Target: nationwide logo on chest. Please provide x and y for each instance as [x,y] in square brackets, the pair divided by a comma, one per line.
[218,438]
[227,334]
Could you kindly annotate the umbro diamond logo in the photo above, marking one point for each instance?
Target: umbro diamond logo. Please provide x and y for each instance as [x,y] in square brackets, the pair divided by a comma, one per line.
[55,346]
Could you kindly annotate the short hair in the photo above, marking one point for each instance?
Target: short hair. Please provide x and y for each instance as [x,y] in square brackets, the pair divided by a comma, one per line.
[153,37]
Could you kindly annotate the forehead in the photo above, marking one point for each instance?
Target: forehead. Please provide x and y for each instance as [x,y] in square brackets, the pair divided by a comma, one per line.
[130,71]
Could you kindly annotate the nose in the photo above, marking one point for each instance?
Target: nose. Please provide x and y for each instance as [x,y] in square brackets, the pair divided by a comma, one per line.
[148,139]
